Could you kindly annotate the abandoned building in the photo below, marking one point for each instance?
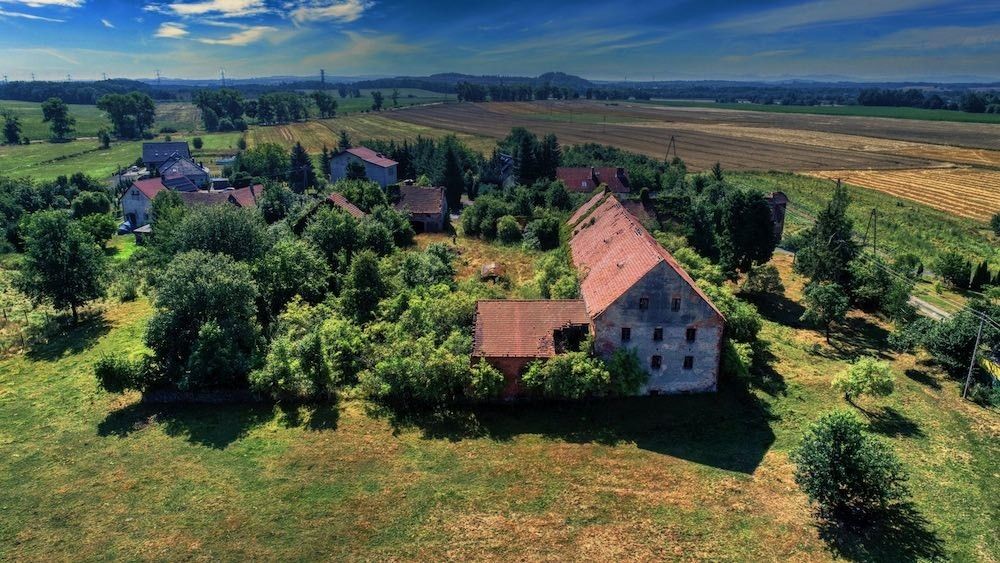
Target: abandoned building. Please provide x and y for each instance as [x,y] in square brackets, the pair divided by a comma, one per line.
[427,207]
[586,179]
[634,295]
[778,202]
[378,167]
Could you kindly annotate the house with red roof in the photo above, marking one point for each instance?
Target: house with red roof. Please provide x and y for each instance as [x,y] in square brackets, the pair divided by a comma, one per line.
[586,179]
[634,294]
[378,167]
[137,201]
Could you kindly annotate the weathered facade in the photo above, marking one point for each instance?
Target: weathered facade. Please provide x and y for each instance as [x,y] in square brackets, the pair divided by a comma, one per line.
[427,207]
[639,297]
[378,167]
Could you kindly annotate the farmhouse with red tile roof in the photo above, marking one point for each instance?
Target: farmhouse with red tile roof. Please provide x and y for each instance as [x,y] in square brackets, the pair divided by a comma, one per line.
[586,179]
[378,167]
[137,201]
[635,295]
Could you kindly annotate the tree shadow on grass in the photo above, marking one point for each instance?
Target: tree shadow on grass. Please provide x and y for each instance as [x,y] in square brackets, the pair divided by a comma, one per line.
[215,425]
[890,422]
[729,430]
[779,309]
[72,338]
[857,336]
[900,533]
[763,376]
[923,378]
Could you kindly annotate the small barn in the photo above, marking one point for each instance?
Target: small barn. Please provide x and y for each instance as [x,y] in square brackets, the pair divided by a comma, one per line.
[427,207]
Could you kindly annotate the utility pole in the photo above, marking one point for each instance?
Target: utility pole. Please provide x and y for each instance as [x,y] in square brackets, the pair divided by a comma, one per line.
[4,78]
[69,78]
[972,361]
[104,76]
[222,74]
[672,143]
[32,76]
[157,72]
[322,77]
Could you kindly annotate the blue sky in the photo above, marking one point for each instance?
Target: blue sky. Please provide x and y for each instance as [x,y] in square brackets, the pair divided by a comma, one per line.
[682,39]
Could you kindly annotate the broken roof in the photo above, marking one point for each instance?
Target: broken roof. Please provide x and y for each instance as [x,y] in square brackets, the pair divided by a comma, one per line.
[613,251]
[523,328]
[370,156]
[421,200]
[585,179]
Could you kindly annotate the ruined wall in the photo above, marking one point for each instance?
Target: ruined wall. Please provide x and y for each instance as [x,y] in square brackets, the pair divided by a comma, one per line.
[661,285]
[511,368]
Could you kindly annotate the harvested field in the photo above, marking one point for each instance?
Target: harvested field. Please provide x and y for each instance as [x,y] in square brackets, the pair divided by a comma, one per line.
[699,146]
[966,192]
[315,134]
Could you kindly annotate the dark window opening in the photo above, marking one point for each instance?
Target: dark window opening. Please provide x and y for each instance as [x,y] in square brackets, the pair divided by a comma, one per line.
[655,362]
[675,304]
[691,333]
[626,334]
[570,338]
[688,362]
[644,302]
[657,333]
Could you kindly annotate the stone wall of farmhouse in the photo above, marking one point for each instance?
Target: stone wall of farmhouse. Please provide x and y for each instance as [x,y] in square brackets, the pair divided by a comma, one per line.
[661,286]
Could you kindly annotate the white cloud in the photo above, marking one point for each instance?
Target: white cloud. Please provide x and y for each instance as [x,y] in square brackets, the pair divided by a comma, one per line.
[241,38]
[6,14]
[942,37]
[344,11]
[217,8]
[171,31]
[44,3]
[107,24]
[821,12]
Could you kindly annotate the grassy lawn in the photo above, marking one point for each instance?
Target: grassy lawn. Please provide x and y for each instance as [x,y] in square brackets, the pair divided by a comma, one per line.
[861,111]
[903,226]
[46,161]
[87,475]
[407,97]
[182,116]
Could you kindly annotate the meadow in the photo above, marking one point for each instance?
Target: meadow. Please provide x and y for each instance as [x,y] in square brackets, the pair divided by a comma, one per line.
[87,475]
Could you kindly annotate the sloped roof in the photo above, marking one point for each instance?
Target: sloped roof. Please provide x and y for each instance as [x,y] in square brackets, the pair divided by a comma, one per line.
[614,252]
[149,187]
[340,201]
[586,208]
[180,164]
[584,179]
[204,197]
[156,152]
[178,182]
[421,200]
[523,328]
[368,155]
[246,197]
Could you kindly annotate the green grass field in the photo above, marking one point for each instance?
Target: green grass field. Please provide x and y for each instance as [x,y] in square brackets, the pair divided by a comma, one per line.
[85,475]
[861,111]
[181,116]
[903,226]
[407,97]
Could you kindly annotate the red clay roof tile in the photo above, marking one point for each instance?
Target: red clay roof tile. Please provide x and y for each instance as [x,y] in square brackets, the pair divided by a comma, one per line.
[523,328]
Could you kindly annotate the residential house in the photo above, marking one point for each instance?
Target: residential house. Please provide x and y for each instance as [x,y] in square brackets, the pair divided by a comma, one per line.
[183,174]
[378,167]
[634,295]
[587,179]
[427,207]
[137,201]
[336,200]
[156,153]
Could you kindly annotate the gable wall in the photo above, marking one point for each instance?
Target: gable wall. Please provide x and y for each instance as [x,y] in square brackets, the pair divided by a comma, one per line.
[661,285]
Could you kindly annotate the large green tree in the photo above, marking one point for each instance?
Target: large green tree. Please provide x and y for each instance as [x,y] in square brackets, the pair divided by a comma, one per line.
[56,113]
[204,331]
[290,268]
[11,128]
[130,114]
[302,175]
[826,303]
[746,236]
[222,229]
[62,263]
[829,248]
[364,287]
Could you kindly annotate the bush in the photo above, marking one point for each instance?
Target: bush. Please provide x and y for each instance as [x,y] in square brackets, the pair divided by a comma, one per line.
[485,381]
[995,223]
[542,233]
[573,375]
[627,373]
[954,270]
[866,376]
[846,473]
[197,143]
[508,230]
[984,394]
[117,374]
